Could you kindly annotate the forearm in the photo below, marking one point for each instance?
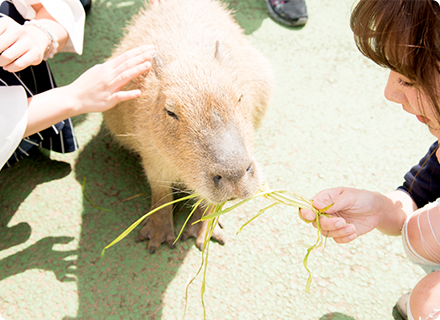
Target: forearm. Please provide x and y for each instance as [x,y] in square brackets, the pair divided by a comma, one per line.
[48,108]
[396,206]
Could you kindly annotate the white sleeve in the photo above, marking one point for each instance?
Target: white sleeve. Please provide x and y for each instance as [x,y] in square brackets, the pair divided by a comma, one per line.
[13,120]
[68,13]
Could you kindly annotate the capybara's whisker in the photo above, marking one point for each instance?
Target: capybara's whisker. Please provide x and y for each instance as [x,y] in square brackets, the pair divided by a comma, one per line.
[194,123]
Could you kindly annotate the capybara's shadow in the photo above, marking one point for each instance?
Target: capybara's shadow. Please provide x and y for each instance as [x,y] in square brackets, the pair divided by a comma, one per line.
[127,274]
[128,282]
[17,183]
[249,14]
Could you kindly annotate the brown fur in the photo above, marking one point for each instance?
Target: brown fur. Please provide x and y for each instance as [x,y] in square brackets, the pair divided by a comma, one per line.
[195,120]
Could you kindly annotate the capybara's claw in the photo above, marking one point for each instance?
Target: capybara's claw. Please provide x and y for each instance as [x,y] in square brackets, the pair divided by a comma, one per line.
[157,229]
[152,249]
[184,237]
[195,127]
[142,235]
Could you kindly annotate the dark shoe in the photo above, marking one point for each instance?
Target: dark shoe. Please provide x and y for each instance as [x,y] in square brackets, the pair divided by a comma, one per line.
[292,13]
[402,304]
[87,4]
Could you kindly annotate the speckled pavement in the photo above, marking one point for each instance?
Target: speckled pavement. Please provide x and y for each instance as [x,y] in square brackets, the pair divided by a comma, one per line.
[329,125]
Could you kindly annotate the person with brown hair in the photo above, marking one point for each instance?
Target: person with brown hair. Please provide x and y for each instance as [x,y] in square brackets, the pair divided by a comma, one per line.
[403,36]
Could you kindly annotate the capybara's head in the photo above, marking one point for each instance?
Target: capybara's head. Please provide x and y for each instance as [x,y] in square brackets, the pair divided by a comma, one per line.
[202,123]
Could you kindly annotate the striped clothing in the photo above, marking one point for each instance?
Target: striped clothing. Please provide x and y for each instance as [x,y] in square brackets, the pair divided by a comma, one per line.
[36,79]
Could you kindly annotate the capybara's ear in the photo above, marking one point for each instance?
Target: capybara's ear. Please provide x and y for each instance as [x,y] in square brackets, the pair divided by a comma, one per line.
[157,65]
[218,51]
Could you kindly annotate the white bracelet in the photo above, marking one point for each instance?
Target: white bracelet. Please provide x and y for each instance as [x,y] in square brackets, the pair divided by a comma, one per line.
[53,45]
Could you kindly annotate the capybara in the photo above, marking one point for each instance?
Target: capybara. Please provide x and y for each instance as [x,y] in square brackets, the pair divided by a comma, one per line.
[193,125]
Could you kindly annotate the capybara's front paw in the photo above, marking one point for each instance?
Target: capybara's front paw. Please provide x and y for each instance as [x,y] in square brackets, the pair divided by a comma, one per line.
[198,230]
[158,228]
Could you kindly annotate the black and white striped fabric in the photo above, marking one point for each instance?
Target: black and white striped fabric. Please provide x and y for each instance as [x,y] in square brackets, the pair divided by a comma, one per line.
[36,79]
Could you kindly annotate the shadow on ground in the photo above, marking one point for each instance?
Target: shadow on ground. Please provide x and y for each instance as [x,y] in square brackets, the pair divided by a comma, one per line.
[127,281]
[17,183]
[127,274]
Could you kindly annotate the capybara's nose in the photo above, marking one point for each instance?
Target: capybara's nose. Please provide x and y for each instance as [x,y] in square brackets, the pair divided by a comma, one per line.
[231,176]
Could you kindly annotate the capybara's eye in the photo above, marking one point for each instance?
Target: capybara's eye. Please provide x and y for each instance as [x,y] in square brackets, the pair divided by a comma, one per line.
[239,99]
[172,114]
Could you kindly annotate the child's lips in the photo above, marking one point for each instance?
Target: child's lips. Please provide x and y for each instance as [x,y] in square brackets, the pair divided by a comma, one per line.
[422,119]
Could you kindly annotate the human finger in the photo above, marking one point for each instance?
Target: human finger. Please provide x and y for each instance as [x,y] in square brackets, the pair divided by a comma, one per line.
[22,62]
[6,23]
[338,229]
[119,60]
[2,27]
[133,63]
[19,56]
[7,40]
[130,73]
[325,198]
[9,34]
[125,95]
[11,54]
[307,214]
[345,239]
[332,223]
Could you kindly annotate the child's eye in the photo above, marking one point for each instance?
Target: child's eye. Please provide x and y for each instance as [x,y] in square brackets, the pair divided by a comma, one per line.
[405,83]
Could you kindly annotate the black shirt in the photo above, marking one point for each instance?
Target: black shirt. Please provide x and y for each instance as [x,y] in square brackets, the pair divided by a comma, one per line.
[422,182]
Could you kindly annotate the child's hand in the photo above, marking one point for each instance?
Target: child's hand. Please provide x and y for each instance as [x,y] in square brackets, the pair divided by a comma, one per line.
[356,212]
[99,88]
[21,46]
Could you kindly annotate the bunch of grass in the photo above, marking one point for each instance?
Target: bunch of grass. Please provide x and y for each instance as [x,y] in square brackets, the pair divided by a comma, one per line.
[277,197]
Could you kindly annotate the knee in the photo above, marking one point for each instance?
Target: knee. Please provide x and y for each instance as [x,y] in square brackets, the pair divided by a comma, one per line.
[424,299]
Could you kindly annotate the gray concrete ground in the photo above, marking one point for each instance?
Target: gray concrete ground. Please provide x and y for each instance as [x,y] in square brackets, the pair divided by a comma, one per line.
[329,125]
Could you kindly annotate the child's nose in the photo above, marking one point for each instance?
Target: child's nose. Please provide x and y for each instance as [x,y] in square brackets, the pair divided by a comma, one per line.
[393,89]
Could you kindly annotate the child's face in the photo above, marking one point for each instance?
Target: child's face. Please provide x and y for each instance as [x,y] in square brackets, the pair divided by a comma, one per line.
[401,90]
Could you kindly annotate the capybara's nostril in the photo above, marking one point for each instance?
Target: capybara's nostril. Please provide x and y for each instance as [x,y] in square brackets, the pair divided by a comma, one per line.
[217,180]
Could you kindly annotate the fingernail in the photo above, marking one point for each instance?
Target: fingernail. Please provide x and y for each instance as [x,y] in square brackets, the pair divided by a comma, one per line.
[352,236]
[349,229]
[339,224]
[308,216]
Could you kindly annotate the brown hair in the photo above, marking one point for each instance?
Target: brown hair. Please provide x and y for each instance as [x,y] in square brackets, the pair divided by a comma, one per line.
[404,36]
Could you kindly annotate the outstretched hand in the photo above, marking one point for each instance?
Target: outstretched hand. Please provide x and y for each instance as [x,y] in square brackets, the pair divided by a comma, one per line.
[354,213]
[99,88]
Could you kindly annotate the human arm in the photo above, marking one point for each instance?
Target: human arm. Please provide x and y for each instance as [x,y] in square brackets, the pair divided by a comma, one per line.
[356,212]
[97,90]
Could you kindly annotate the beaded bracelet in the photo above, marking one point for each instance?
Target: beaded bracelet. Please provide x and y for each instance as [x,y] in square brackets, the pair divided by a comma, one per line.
[53,45]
